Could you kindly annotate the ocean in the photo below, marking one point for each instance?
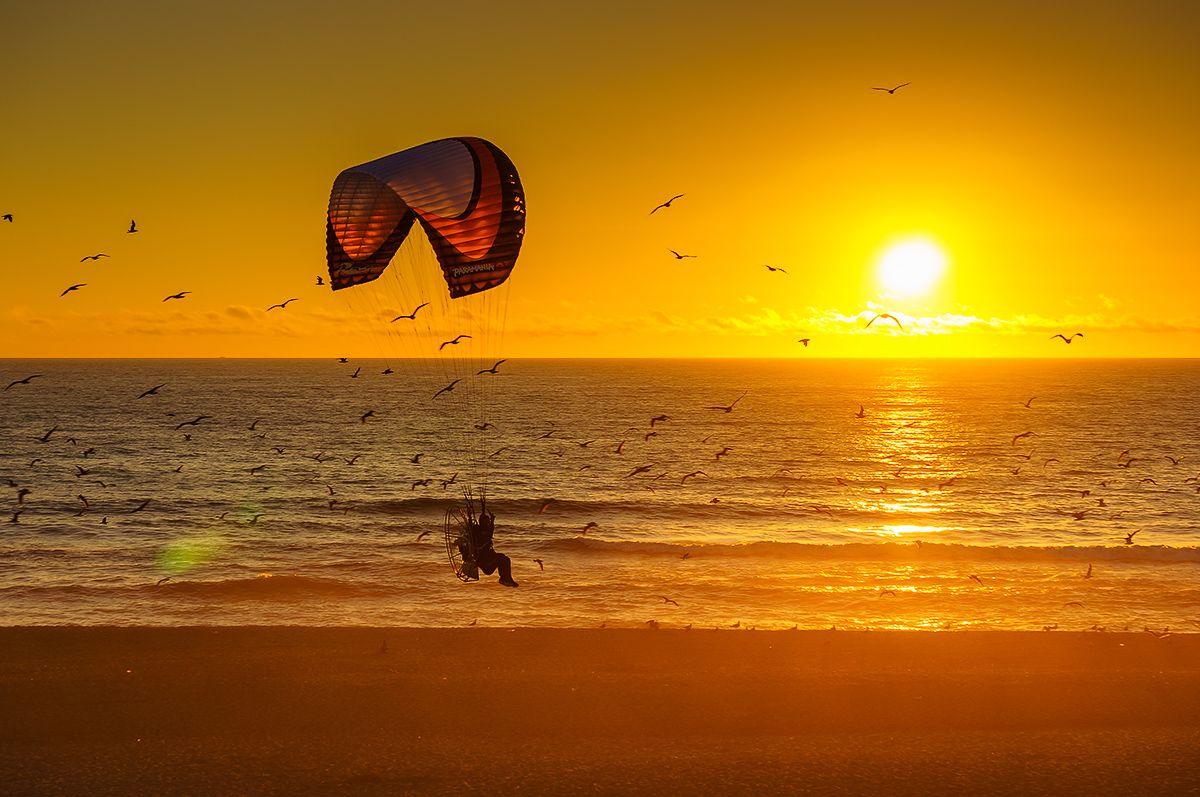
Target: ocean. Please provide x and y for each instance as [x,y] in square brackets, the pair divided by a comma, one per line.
[814,517]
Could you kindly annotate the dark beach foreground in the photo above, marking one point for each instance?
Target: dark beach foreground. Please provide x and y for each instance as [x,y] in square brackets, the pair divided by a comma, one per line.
[540,711]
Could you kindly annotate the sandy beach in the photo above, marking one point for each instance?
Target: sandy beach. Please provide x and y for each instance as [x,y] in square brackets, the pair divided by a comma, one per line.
[537,711]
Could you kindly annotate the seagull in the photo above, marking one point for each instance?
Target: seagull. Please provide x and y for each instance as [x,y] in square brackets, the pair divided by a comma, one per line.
[256,469]
[591,524]
[862,413]
[153,391]
[21,493]
[16,516]
[1065,338]
[73,288]
[891,90]
[723,452]
[483,427]
[497,452]
[7,217]
[731,406]
[320,281]
[646,437]
[636,471]
[140,506]
[343,359]
[541,565]
[1020,436]
[447,388]
[668,600]
[132,226]
[281,305]
[46,437]
[774,268]
[620,449]
[884,592]
[254,519]
[411,316]
[804,341]
[666,204]
[416,459]
[193,423]
[491,370]
[424,534]
[421,483]
[679,256]
[1028,403]
[690,475]
[96,256]
[353,460]
[659,419]
[24,381]
[1129,537]
[357,371]
[454,342]
[546,505]
[179,295]
[1074,604]
[368,414]
[1174,460]
[977,580]
[888,316]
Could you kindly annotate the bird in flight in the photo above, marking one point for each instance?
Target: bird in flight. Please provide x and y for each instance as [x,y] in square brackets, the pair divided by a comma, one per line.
[387,371]
[483,427]
[93,257]
[1129,537]
[411,316]
[804,341]
[46,438]
[636,471]
[679,256]
[546,505]
[862,413]
[491,370]
[591,524]
[132,226]
[1065,338]
[659,419]
[541,565]
[368,414]
[883,592]
[179,295]
[320,281]
[7,217]
[1020,436]
[140,506]
[976,579]
[72,288]
[357,371]
[281,305]
[256,469]
[1028,403]
[731,406]
[24,381]
[891,90]
[666,204]
[1088,574]
[692,474]
[193,423]
[447,388]
[775,268]
[888,316]
[723,452]
[665,599]
[454,342]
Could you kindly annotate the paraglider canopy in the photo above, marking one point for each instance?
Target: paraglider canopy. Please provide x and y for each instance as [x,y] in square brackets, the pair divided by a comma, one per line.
[465,193]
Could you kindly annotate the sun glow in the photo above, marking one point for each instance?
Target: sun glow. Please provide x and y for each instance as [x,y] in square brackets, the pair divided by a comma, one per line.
[911,267]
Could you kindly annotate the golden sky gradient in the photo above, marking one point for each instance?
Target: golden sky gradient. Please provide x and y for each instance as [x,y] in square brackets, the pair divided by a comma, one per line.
[1048,148]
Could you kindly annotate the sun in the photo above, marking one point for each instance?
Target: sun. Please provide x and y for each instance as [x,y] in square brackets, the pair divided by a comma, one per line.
[911,267]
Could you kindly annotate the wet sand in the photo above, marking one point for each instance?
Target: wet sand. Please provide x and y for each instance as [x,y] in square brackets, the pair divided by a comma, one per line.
[615,711]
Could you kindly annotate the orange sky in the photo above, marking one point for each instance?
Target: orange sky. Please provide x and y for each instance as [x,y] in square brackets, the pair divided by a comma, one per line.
[1049,149]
